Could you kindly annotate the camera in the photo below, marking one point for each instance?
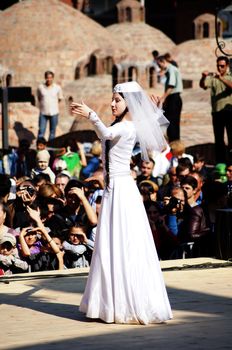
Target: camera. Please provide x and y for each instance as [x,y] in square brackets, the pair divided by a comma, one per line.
[211,74]
[31,190]
[174,203]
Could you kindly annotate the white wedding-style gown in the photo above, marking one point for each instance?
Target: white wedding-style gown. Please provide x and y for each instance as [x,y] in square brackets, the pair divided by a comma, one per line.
[125,283]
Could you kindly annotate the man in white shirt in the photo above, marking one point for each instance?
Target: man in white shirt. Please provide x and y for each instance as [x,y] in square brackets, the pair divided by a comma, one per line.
[49,95]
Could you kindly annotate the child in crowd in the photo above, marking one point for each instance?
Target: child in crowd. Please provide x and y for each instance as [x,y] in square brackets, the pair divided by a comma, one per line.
[9,260]
[41,144]
[178,151]
[199,165]
[30,242]
[42,161]
[76,246]
[50,256]
[94,162]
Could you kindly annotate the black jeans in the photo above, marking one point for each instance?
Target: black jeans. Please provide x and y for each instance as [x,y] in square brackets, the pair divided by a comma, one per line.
[222,120]
[172,109]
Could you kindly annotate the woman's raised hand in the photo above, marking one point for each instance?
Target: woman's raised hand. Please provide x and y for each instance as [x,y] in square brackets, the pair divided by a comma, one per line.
[157,100]
[80,109]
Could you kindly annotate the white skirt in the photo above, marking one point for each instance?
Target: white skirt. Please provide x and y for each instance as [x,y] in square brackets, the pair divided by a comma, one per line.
[125,283]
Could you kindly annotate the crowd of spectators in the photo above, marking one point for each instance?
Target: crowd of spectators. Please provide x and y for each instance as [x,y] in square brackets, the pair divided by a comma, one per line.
[49,204]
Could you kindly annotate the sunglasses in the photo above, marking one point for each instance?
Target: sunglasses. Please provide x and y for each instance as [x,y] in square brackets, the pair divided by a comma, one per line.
[221,65]
[7,245]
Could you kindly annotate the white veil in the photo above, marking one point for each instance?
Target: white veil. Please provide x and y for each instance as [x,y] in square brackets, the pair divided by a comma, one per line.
[148,119]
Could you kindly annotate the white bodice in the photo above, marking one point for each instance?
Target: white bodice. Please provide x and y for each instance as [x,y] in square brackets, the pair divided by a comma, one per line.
[122,138]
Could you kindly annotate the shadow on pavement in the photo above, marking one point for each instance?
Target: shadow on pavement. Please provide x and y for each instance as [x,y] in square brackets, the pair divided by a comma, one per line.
[205,321]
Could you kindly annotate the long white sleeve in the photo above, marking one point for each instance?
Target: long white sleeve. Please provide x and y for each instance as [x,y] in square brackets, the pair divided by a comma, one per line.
[104,132]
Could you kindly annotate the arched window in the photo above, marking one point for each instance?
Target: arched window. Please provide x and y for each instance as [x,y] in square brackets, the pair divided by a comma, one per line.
[205,30]
[128,14]
[108,65]
[132,73]
[9,80]
[86,70]
[114,75]
[152,77]
[74,2]
[92,66]
[77,73]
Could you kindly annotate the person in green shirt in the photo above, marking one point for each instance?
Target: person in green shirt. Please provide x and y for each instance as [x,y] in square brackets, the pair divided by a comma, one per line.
[220,84]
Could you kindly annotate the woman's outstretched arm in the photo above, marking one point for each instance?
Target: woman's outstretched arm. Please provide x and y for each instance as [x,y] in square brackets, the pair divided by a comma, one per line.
[103,132]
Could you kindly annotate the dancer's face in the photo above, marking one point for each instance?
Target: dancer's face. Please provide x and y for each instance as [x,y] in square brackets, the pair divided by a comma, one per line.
[118,105]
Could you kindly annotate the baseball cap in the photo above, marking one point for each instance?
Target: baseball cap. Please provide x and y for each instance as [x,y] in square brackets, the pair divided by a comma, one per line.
[7,237]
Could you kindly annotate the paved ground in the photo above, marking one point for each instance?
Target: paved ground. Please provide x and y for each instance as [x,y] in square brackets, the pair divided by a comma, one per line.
[42,313]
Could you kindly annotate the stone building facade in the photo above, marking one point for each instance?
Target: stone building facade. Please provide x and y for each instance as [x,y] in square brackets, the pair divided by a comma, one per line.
[87,59]
[204,26]
[138,40]
[6,76]
[48,35]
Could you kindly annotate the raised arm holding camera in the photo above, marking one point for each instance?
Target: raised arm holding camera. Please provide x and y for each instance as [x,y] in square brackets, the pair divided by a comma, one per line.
[220,84]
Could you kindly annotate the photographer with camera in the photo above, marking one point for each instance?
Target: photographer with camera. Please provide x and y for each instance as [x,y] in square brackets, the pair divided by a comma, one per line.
[220,84]
[173,207]
[186,219]
[26,196]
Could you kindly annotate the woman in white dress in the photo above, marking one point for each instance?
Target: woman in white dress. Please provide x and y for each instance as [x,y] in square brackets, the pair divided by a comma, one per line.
[125,283]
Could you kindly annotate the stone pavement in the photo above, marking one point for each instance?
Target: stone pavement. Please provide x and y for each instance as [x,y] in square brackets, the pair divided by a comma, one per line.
[40,311]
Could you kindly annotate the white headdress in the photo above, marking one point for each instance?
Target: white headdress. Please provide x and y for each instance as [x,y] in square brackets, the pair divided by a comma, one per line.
[149,120]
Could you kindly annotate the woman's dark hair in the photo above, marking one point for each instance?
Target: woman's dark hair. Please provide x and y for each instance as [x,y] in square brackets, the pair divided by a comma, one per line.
[107,144]
[40,177]
[73,183]
[59,235]
[146,189]
[79,225]
[5,185]
[150,203]
[4,206]
[71,142]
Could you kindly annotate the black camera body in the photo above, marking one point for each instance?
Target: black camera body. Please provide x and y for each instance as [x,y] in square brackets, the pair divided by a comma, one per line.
[31,190]
[174,203]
